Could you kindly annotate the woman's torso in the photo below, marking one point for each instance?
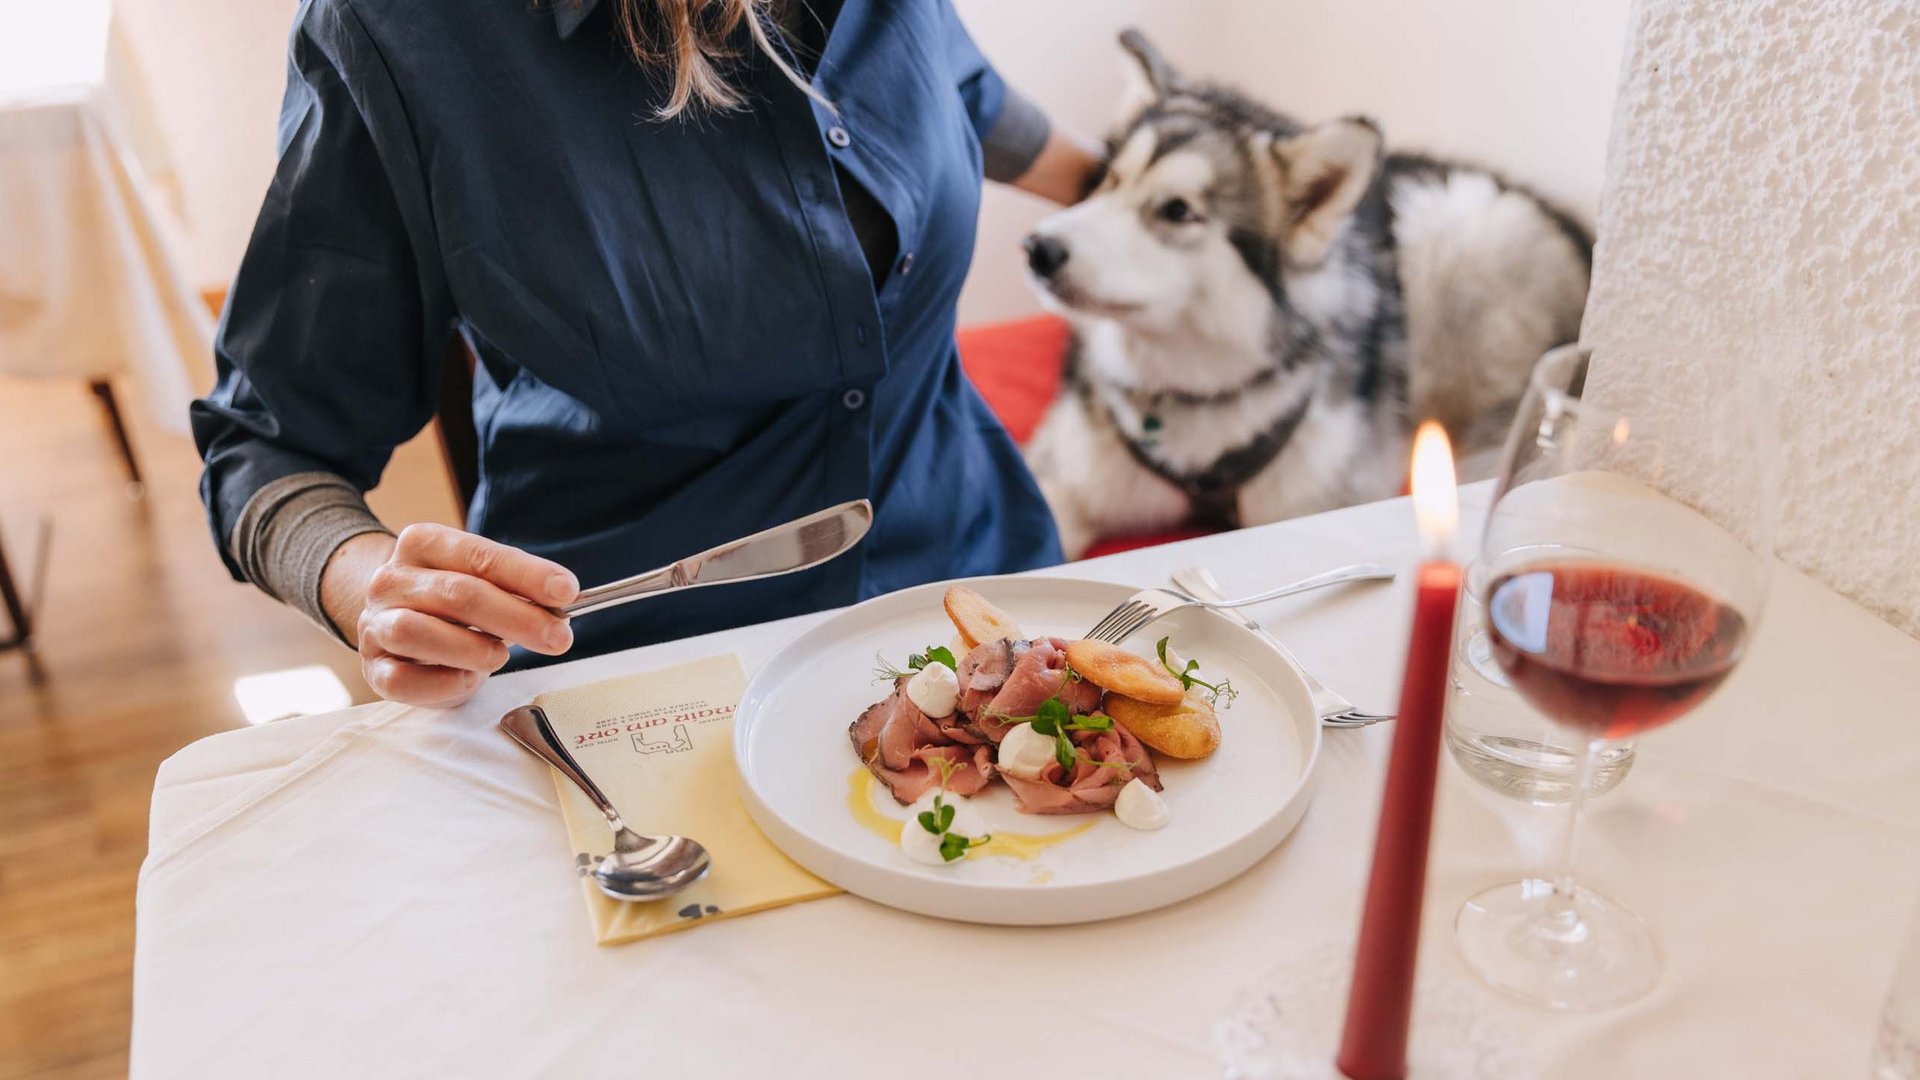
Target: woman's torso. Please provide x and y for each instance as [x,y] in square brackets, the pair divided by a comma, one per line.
[679,338]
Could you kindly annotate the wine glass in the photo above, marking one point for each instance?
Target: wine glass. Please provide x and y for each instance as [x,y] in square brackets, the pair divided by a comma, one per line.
[1626,563]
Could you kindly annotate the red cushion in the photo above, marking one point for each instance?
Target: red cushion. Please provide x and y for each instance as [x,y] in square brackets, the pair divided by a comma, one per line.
[1017,367]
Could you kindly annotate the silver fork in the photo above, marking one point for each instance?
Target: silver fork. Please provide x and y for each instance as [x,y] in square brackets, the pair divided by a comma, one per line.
[1333,710]
[1150,605]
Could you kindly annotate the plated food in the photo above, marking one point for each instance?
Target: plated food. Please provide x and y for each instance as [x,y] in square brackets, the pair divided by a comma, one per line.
[1068,727]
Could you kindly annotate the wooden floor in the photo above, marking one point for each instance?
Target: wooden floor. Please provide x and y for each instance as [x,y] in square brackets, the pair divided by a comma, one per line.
[140,638]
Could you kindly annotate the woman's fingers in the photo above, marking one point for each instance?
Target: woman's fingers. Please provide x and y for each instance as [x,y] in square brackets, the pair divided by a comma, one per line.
[425,639]
[439,613]
[539,580]
[470,601]
[401,680]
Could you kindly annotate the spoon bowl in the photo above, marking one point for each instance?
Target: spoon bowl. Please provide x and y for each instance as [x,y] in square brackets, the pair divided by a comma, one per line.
[640,867]
[650,867]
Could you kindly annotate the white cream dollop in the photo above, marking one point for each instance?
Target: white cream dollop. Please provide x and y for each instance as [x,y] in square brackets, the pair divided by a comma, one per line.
[1024,752]
[934,690]
[924,847]
[1140,807]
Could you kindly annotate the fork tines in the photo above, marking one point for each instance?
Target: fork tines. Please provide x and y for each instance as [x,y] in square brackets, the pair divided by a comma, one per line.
[1123,621]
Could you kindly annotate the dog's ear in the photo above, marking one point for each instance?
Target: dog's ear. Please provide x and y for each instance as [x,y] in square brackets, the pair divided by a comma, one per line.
[1324,171]
[1149,76]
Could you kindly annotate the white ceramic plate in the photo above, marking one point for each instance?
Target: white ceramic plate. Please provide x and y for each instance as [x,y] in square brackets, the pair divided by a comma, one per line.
[798,770]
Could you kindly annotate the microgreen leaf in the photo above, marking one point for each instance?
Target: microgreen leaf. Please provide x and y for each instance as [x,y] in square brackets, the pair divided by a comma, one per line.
[946,818]
[1063,751]
[953,845]
[1096,722]
[942,654]
[1055,711]
[929,823]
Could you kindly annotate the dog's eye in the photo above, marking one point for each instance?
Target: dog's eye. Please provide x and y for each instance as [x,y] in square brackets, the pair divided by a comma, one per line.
[1178,211]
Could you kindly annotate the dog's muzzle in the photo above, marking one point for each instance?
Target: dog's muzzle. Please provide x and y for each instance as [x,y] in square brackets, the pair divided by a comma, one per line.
[1045,255]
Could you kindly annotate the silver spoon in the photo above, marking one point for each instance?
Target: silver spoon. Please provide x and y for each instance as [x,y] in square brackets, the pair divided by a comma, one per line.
[640,867]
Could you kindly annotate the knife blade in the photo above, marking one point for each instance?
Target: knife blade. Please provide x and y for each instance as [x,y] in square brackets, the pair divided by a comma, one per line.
[800,544]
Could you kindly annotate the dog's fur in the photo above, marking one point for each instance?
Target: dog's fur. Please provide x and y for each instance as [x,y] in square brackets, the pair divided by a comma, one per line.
[1265,353]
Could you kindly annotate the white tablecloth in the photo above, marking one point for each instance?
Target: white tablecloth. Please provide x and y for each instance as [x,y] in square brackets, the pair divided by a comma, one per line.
[388,891]
[90,282]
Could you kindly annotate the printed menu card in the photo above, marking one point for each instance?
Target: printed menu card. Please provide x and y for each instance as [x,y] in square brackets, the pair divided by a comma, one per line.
[660,745]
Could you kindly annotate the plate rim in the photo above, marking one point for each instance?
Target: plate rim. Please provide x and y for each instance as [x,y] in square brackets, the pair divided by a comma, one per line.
[1240,853]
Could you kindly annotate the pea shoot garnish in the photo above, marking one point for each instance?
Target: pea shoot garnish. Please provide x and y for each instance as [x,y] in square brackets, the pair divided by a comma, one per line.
[934,654]
[939,819]
[884,671]
[1220,694]
[939,822]
[1053,717]
[953,845]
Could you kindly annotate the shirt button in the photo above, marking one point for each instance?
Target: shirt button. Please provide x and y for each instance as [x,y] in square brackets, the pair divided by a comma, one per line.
[853,399]
[838,136]
[906,264]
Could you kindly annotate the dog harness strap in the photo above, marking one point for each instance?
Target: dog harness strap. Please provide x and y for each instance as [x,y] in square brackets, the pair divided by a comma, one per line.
[1215,492]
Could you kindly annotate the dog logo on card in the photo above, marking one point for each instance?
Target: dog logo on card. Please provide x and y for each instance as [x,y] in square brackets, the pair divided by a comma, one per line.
[681,741]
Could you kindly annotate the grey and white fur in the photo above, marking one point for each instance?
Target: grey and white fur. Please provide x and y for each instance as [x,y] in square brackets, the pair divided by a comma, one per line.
[1262,310]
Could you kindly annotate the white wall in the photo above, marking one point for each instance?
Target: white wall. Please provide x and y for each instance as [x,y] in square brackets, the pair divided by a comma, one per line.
[214,70]
[1063,54]
[1521,85]
[1762,221]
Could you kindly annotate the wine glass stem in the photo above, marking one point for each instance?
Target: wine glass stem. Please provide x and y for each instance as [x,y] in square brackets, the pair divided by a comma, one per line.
[1562,921]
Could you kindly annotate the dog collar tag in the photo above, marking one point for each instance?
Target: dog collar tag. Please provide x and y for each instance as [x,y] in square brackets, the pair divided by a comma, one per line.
[1150,430]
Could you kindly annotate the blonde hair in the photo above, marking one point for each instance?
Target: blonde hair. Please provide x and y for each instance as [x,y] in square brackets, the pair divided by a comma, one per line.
[686,42]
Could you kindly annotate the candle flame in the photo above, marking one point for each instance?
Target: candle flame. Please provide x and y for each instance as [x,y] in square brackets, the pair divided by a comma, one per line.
[1436,500]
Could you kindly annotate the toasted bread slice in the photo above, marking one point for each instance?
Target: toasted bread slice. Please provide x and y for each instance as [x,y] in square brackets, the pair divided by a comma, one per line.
[1187,729]
[977,619]
[1114,668]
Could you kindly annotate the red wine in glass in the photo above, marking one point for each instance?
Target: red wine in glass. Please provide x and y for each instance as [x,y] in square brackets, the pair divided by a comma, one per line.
[1610,650]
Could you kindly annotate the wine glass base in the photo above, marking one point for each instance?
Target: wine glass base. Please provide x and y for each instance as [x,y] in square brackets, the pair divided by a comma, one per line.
[1596,957]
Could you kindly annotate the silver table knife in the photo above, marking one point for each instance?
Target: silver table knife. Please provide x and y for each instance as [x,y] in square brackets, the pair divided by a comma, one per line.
[798,545]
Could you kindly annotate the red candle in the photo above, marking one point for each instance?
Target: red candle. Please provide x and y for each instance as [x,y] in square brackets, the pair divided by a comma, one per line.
[1380,1003]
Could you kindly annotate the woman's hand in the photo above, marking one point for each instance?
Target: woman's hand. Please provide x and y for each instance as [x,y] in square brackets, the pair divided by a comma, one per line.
[1065,167]
[433,611]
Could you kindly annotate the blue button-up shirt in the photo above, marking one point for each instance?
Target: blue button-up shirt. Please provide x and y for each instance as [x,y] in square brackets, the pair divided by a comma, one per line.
[679,338]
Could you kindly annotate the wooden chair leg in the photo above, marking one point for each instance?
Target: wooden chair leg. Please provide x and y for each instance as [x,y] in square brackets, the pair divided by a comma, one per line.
[15,604]
[103,390]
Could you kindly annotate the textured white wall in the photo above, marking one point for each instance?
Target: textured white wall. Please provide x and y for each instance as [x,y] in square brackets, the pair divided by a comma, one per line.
[1761,220]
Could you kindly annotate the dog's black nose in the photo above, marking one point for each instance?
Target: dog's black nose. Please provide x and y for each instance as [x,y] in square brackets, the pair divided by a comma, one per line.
[1045,255]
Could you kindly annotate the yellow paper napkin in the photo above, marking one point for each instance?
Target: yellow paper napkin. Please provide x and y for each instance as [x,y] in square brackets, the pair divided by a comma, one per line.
[660,745]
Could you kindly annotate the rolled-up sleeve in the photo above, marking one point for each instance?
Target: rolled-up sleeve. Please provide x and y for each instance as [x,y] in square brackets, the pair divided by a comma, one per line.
[328,351]
[1011,128]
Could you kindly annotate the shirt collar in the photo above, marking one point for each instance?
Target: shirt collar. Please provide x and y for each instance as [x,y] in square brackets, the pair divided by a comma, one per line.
[569,14]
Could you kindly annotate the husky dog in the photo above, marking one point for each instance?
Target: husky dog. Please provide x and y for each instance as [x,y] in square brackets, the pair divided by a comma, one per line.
[1261,309]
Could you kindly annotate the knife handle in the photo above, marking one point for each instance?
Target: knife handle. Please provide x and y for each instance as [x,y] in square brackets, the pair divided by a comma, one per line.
[619,592]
